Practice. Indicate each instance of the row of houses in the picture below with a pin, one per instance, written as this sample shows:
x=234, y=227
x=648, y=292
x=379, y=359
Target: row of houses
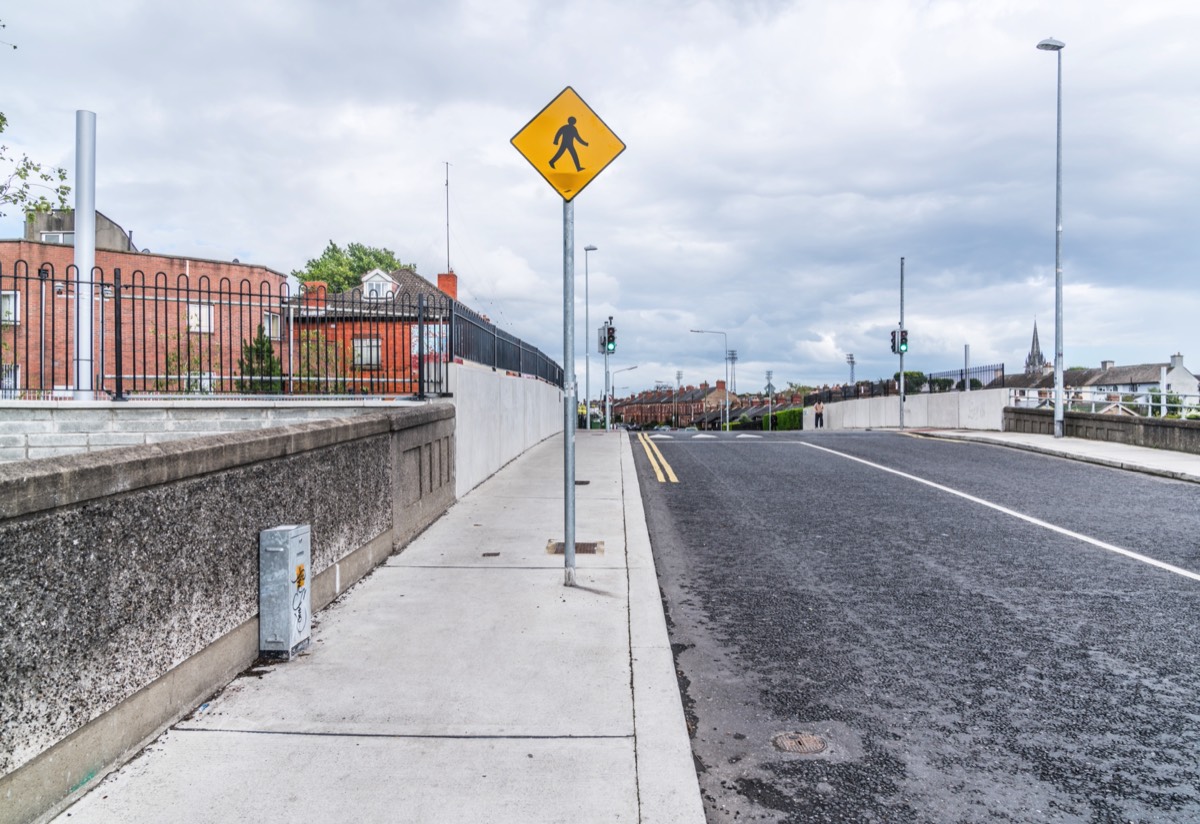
x=167, y=323
x=700, y=406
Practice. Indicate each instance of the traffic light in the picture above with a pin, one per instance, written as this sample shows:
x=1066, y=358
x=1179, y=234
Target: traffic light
x=894, y=349
x=903, y=341
x=610, y=340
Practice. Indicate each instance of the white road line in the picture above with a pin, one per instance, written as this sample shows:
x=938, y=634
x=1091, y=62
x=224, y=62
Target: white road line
x=1027, y=518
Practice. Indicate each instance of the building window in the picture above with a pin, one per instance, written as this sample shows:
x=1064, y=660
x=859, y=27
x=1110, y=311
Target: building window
x=10, y=308
x=64, y=238
x=10, y=381
x=367, y=353
x=272, y=325
x=199, y=317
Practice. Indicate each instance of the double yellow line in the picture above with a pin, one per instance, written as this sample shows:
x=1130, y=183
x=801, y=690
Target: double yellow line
x=657, y=461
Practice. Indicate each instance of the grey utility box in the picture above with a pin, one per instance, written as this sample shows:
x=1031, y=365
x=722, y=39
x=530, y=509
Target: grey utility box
x=284, y=590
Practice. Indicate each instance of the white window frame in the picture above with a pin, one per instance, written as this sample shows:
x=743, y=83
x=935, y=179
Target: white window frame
x=368, y=356
x=200, y=317
x=10, y=308
x=273, y=325
x=60, y=238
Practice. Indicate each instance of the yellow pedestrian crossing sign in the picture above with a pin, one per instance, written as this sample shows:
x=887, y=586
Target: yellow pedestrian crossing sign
x=568, y=144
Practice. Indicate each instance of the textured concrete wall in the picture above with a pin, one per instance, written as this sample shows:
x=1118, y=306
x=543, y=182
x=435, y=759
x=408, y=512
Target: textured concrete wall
x=121, y=569
x=48, y=429
x=982, y=409
x=1176, y=435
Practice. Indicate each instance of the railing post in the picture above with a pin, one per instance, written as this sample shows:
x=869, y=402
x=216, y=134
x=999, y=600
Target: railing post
x=119, y=341
x=421, y=346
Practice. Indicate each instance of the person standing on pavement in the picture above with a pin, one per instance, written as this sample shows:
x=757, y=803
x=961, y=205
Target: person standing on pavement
x=819, y=415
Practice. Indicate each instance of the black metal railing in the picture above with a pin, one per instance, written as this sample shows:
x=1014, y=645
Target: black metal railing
x=958, y=380
x=474, y=338
x=177, y=335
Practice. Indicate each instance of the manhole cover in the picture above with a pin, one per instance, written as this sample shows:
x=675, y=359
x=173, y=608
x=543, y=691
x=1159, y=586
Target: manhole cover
x=804, y=743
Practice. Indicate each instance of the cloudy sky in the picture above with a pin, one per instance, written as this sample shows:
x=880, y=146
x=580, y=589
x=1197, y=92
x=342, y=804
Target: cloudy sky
x=782, y=157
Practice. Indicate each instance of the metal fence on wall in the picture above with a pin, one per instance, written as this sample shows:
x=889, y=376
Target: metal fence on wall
x=172, y=335
x=975, y=377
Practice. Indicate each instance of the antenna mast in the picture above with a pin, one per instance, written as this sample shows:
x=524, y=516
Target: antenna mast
x=447, y=217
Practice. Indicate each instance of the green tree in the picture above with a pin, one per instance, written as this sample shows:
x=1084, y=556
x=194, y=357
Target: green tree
x=913, y=381
x=25, y=177
x=261, y=372
x=342, y=269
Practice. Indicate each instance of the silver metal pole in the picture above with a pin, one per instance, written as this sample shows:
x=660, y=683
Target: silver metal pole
x=901, y=335
x=569, y=403
x=1059, y=397
x=1162, y=392
x=966, y=367
x=587, y=348
x=607, y=395
x=725, y=338
x=85, y=252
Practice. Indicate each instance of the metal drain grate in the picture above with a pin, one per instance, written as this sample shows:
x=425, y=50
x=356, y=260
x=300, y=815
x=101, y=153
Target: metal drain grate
x=581, y=548
x=803, y=743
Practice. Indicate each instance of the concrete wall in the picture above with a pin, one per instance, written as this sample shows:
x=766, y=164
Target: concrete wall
x=129, y=577
x=981, y=409
x=48, y=429
x=1176, y=435
x=499, y=417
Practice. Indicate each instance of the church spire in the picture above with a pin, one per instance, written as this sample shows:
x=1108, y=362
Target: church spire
x=1035, y=362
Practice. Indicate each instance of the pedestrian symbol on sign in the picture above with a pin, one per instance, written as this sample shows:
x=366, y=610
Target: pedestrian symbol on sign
x=568, y=134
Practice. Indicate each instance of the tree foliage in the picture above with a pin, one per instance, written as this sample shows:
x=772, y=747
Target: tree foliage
x=342, y=269
x=261, y=372
x=786, y=420
x=30, y=186
x=913, y=381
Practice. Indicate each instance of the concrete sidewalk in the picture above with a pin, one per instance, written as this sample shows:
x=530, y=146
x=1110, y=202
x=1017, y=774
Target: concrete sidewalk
x=459, y=682
x=1181, y=466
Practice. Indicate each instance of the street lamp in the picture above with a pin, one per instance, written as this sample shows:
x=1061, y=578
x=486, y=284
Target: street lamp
x=725, y=349
x=608, y=396
x=587, y=347
x=1050, y=44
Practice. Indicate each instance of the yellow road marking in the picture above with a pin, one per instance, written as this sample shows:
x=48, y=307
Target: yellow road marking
x=656, y=459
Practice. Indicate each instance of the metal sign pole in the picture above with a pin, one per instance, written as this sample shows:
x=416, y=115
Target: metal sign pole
x=901, y=336
x=569, y=391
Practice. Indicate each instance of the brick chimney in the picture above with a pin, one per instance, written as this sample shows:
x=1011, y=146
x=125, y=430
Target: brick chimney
x=1107, y=364
x=448, y=283
x=315, y=292
x=1177, y=361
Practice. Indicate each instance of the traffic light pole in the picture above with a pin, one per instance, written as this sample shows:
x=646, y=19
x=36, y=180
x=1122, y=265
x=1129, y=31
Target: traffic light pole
x=607, y=396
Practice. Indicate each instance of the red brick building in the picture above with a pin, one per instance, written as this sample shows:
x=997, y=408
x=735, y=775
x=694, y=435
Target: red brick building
x=182, y=320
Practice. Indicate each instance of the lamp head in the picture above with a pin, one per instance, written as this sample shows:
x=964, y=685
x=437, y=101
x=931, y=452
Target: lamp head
x=1050, y=44
x=589, y=248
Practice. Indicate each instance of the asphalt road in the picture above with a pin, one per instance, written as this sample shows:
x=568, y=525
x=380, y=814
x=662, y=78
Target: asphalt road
x=985, y=637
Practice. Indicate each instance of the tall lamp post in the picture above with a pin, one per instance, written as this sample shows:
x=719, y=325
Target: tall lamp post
x=608, y=391
x=725, y=349
x=1050, y=44
x=587, y=331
